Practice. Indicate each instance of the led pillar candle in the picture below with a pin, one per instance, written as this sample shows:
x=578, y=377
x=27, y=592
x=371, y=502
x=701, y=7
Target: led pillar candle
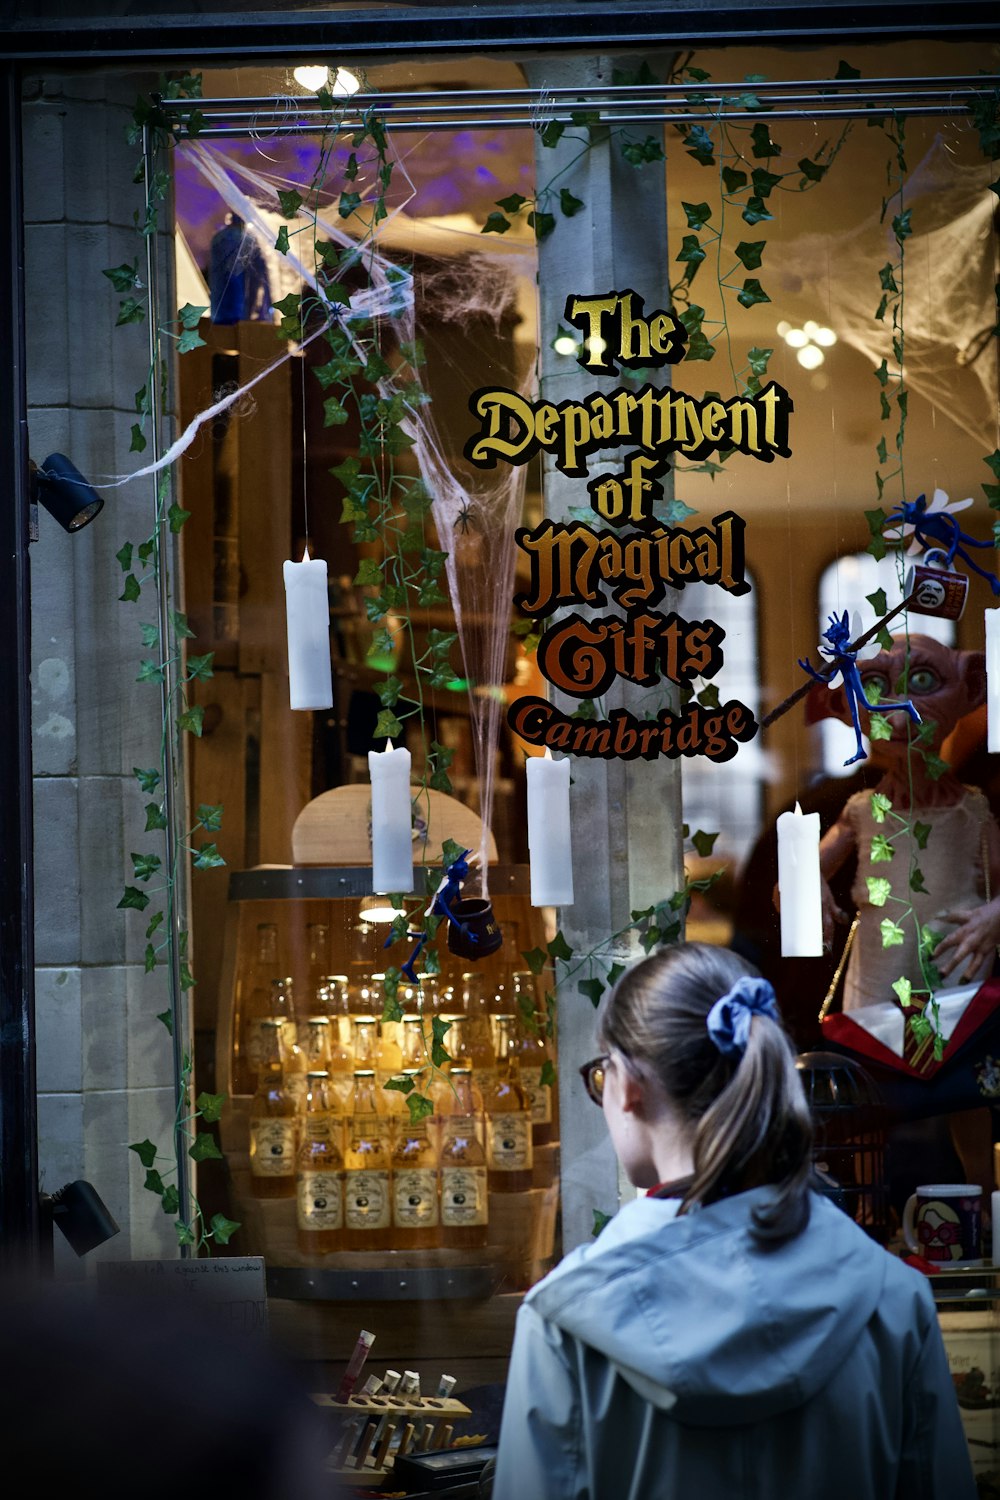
x=307, y=611
x=392, y=837
x=549, y=845
x=799, y=885
x=993, y=680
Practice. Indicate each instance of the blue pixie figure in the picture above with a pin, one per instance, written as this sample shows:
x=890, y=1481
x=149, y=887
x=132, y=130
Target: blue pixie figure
x=448, y=891
x=933, y=527
x=843, y=660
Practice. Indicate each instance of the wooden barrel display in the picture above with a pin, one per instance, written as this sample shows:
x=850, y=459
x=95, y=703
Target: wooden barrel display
x=308, y=942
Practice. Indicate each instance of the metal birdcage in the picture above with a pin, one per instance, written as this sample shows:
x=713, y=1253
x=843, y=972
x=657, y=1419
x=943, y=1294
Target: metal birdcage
x=849, y=1119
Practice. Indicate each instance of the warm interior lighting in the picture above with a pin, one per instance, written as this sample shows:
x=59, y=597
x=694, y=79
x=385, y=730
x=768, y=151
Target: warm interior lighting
x=810, y=357
x=378, y=909
x=340, y=81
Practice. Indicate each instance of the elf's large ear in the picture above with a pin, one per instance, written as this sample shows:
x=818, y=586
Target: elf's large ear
x=972, y=669
x=827, y=703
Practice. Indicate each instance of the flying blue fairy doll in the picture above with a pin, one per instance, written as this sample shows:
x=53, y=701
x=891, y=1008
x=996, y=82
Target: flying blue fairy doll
x=933, y=527
x=843, y=664
x=448, y=891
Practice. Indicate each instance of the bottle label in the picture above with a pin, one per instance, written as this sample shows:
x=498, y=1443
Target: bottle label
x=320, y=1200
x=509, y=1141
x=464, y=1198
x=415, y=1198
x=485, y=1080
x=366, y=1200
x=273, y=1152
x=539, y=1094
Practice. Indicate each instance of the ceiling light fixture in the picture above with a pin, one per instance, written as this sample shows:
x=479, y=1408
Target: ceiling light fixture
x=341, y=82
x=378, y=909
x=809, y=341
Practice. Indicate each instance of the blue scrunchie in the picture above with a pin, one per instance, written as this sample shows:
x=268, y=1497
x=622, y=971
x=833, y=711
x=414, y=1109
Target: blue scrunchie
x=729, y=1019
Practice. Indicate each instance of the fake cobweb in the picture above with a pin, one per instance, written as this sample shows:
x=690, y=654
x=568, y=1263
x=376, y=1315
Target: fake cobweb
x=474, y=513
x=950, y=307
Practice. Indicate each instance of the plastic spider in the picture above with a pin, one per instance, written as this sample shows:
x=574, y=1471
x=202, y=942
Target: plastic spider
x=933, y=527
x=844, y=664
x=463, y=520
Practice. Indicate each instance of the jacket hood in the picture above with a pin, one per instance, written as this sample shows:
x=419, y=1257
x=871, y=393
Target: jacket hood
x=706, y=1323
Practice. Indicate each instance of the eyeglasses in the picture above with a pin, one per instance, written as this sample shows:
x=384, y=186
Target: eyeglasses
x=592, y=1074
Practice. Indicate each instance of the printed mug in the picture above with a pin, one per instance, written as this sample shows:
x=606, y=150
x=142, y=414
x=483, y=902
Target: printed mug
x=935, y=590
x=942, y=1221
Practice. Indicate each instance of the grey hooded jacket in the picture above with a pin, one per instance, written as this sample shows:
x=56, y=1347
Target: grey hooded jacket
x=675, y=1359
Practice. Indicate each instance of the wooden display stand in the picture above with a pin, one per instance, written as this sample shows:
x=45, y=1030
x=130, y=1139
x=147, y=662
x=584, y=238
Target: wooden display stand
x=362, y=1454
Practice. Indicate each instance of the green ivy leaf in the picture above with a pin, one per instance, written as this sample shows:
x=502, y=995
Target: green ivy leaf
x=763, y=146
x=439, y=1030
x=844, y=70
x=149, y=959
x=901, y=227
x=542, y=223
x=593, y=989
x=690, y=254
x=697, y=214
x=188, y=340
x=419, y=1107
x=879, y=889
x=639, y=153
x=755, y=211
x=764, y=182
x=124, y=556
x=399, y=1085
x=145, y=1151
x=892, y=934
x=882, y=850
x=700, y=145
x=814, y=171
x=917, y=880
x=290, y=201
x=369, y=574
x=387, y=726
x=877, y=600
x=145, y=865
x=709, y=698
x=335, y=413
x=750, y=253
x=131, y=591
x=559, y=948
x=209, y=815
x=205, y=1148
x=752, y=293
x=166, y=1017
x=496, y=223
x=148, y=780
x=200, y=667
x=154, y=818
x=177, y=517
x=208, y=857
x=154, y=1182
x=551, y=133
x=138, y=442
x=569, y=204
x=150, y=671
x=904, y=990
x=191, y=720
x=879, y=727
x=222, y=1228
x=185, y=1234
x=536, y=959
x=733, y=179
x=124, y=278
x=131, y=310
x=601, y=1219
x=512, y=204
x=704, y=843
x=880, y=805
x=134, y=899
x=349, y=202
x=921, y=833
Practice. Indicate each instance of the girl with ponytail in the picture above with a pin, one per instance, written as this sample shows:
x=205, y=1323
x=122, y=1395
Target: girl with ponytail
x=730, y=1333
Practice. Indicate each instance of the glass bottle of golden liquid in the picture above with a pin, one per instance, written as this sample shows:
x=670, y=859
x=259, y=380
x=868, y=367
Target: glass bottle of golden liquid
x=367, y=1171
x=295, y=1062
x=315, y=1042
x=416, y=1214
x=319, y=1177
x=341, y=1063
x=509, y=1147
x=464, y=1191
x=478, y=1051
x=317, y=963
x=388, y=1052
x=428, y=995
x=273, y=1120
x=255, y=1008
x=365, y=1030
x=532, y=1052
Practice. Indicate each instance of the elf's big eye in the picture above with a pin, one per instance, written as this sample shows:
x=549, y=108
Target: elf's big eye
x=875, y=684
x=924, y=680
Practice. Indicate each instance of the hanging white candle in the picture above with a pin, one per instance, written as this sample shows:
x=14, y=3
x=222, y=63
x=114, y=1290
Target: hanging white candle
x=392, y=837
x=549, y=840
x=307, y=613
x=993, y=680
x=799, y=884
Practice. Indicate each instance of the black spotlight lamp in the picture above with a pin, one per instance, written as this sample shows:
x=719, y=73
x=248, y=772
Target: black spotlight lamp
x=82, y=1215
x=61, y=488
